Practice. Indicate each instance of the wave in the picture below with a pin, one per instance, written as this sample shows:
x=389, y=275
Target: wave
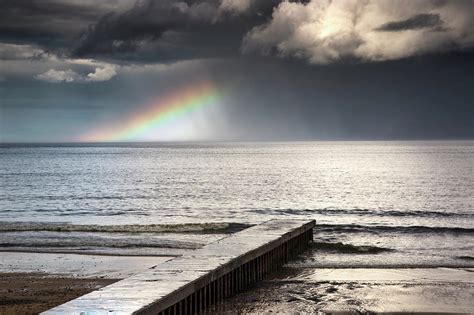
x=355, y=228
x=470, y=258
x=349, y=248
x=217, y=228
x=366, y=212
x=204, y=228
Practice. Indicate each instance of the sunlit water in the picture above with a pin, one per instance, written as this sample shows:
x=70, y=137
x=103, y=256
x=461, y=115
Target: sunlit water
x=410, y=202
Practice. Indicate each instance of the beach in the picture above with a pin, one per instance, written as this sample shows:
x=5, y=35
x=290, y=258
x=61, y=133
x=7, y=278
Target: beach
x=32, y=283
x=31, y=293
x=290, y=290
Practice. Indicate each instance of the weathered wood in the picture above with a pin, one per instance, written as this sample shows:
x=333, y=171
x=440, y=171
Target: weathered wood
x=182, y=285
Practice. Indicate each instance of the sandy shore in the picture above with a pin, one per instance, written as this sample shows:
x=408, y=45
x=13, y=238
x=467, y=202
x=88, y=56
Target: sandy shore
x=31, y=283
x=289, y=291
x=31, y=293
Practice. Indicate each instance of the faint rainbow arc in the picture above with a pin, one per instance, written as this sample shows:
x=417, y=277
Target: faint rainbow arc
x=166, y=110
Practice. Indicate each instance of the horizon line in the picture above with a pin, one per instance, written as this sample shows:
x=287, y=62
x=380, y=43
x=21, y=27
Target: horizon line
x=239, y=140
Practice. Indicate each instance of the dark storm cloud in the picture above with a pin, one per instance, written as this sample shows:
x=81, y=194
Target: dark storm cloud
x=48, y=23
x=169, y=30
x=418, y=21
x=116, y=33
x=148, y=31
x=32, y=9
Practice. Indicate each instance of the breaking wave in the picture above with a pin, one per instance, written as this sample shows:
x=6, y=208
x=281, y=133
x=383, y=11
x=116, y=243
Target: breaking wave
x=366, y=212
x=205, y=228
x=355, y=228
x=349, y=248
x=469, y=258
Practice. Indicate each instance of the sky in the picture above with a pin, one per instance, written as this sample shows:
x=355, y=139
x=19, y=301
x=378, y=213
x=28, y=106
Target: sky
x=238, y=70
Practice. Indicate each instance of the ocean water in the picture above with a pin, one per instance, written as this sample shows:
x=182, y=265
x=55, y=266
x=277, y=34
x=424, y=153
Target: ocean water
x=376, y=203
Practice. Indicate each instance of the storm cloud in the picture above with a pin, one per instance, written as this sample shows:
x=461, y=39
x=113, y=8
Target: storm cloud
x=323, y=32
x=132, y=31
x=166, y=31
x=320, y=32
x=126, y=32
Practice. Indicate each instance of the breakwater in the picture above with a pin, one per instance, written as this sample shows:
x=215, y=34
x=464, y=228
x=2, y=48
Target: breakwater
x=194, y=282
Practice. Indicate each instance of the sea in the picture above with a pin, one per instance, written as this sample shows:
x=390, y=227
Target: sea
x=376, y=203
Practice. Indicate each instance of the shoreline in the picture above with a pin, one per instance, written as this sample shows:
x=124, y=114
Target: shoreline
x=74, y=252
x=77, y=265
x=326, y=290
x=34, y=282
x=10, y=256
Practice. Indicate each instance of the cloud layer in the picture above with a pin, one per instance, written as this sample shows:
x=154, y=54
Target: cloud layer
x=53, y=41
x=57, y=76
x=326, y=31
x=68, y=76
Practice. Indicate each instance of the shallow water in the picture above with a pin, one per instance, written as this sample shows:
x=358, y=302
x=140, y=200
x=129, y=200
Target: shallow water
x=412, y=198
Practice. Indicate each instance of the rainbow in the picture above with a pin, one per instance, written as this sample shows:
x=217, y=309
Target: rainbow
x=158, y=113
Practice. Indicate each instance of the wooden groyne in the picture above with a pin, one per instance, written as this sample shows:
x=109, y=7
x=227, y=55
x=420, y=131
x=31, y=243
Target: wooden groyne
x=191, y=283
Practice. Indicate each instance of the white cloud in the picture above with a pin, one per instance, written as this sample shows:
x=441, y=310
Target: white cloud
x=57, y=76
x=102, y=74
x=325, y=31
x=32, y=61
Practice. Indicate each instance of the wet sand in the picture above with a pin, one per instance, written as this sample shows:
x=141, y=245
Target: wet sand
x=34, y=282
x=31, y=293
x=328, y=291
x=77, y=266
x=290, y=291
